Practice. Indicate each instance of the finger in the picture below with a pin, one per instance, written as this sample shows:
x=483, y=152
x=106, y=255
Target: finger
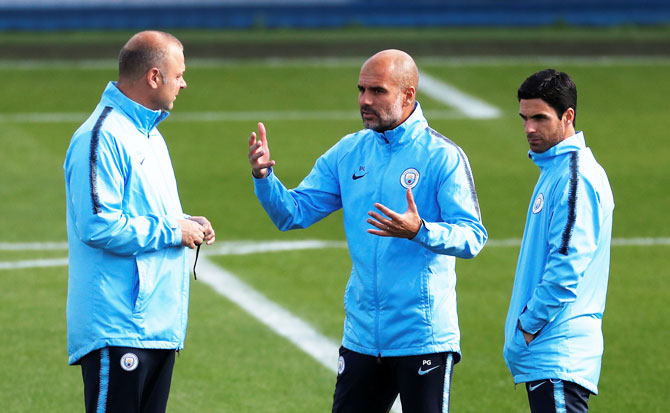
x=388, y=212
x=377, y=224
x=264, y=165
x=379, y=233
x=254, y=150
x=256, y=155
x=262, y=133
x=382, y=219
x=211, y=240
x=252, y=138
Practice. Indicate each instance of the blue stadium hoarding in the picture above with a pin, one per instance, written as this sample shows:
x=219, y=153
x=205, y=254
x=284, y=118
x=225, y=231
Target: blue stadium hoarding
x=240, y=14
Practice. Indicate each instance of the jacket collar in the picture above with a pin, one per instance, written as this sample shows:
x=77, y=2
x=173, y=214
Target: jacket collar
x=406, y=131
x=144, y=119
x=571, y=144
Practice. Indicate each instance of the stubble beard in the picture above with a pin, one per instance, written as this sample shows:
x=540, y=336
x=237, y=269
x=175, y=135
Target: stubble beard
x=387, y=121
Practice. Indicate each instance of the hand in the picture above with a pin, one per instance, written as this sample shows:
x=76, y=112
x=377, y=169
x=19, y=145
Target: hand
x=528, y=337
x=405, y=225
x=192, y=233
x=209, y=237
x=259, y=153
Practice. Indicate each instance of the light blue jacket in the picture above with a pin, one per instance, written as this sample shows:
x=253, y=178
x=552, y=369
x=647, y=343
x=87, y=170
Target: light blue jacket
x=400, y=299
x=561, y=277
x=129, y=275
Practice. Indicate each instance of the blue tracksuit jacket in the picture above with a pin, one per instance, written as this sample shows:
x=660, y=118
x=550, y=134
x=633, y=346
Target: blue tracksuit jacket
x=561, y=277
x=400, y=298
x=128, y=272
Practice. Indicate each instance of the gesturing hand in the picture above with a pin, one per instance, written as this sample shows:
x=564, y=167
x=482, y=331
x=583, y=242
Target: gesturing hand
x=405, y=225
x=259, y=153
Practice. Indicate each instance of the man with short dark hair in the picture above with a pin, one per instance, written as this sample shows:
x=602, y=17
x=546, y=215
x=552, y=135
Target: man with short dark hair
x=553, y=332
x=128, y=284
x=401, y=332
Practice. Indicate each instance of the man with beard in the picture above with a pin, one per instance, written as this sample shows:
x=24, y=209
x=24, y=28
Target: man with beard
x=553, y=333
x=401, y=332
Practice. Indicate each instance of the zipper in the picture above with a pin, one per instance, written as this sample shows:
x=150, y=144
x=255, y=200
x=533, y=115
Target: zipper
x=387, y=157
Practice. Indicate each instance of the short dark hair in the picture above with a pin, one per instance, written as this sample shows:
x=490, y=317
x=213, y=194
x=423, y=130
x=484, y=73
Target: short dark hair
x=555, y=88
x=136, y=62
x=137, y=57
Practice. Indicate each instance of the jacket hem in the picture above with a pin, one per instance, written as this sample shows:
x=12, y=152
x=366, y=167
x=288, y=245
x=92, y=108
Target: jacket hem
x=410, y=351
x=75, y=356
x=545, y=375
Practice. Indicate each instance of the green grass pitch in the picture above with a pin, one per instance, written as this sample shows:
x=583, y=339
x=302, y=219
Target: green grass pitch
x=231, y=362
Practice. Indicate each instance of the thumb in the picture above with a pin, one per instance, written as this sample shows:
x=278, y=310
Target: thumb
x=411, y=206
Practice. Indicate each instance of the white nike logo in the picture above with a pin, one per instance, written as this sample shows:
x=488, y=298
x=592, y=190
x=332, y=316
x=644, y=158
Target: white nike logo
x=422, y=372
x=531, y=387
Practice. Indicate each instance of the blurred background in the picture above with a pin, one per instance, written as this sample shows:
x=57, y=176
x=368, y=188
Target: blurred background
x=294, y=65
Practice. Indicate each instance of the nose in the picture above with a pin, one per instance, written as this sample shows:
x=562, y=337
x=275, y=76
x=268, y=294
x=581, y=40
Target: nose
x=183, y=83
x=364, y=99
x=529, y=127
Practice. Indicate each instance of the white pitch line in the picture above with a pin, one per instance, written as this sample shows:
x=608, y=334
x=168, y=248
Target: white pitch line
x=470, y=106
x=352, y=62
x=49, y=262
x=222, y=116
x=279, y=320
x=249, y=247
x=276, y=318
x=37, y=246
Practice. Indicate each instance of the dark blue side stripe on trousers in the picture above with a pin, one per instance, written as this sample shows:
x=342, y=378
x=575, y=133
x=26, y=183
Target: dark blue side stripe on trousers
x=93, y=159
x=468, y=172
x=572, y=204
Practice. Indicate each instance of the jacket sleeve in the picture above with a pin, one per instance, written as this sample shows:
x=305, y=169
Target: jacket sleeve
x=573, y=235
x=317, y=196
x=460, y=232
x=96, y=181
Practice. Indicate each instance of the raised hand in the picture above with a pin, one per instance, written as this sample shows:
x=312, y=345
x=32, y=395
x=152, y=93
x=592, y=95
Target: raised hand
x=259, y=153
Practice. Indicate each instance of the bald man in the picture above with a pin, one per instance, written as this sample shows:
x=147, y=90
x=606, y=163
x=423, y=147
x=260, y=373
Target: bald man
x=128, y=237
x=410, y=208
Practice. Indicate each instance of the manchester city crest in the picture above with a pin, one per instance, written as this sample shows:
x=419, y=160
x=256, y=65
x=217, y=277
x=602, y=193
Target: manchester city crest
x=538, y=204
x=409, y=178
x=129, y=361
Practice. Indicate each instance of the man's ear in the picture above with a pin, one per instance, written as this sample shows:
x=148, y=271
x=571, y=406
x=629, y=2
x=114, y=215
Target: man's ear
x=153, y=77
x=410, y=96
x=569, y=116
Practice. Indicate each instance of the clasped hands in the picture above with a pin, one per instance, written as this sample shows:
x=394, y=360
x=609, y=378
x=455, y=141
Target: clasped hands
x=195, y=231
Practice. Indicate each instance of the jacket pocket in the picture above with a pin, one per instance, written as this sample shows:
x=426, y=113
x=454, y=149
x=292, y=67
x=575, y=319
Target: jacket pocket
x=138, y=285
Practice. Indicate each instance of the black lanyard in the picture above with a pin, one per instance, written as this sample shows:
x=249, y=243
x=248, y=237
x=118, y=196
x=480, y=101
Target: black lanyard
x=197, y=252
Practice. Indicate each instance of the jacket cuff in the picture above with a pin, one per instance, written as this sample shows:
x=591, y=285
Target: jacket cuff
x=525, y=324
x=267, y=175
x=422, y=236
x=173, y=223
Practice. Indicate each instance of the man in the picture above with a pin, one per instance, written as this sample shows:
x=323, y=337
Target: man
x=128, y=287
x=401, y=331
x=553, y=335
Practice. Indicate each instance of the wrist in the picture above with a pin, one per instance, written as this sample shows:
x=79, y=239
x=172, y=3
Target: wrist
x=258, y=174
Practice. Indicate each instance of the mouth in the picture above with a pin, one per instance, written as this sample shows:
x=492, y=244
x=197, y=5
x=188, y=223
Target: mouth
x=368, y=114
x=533, y=139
